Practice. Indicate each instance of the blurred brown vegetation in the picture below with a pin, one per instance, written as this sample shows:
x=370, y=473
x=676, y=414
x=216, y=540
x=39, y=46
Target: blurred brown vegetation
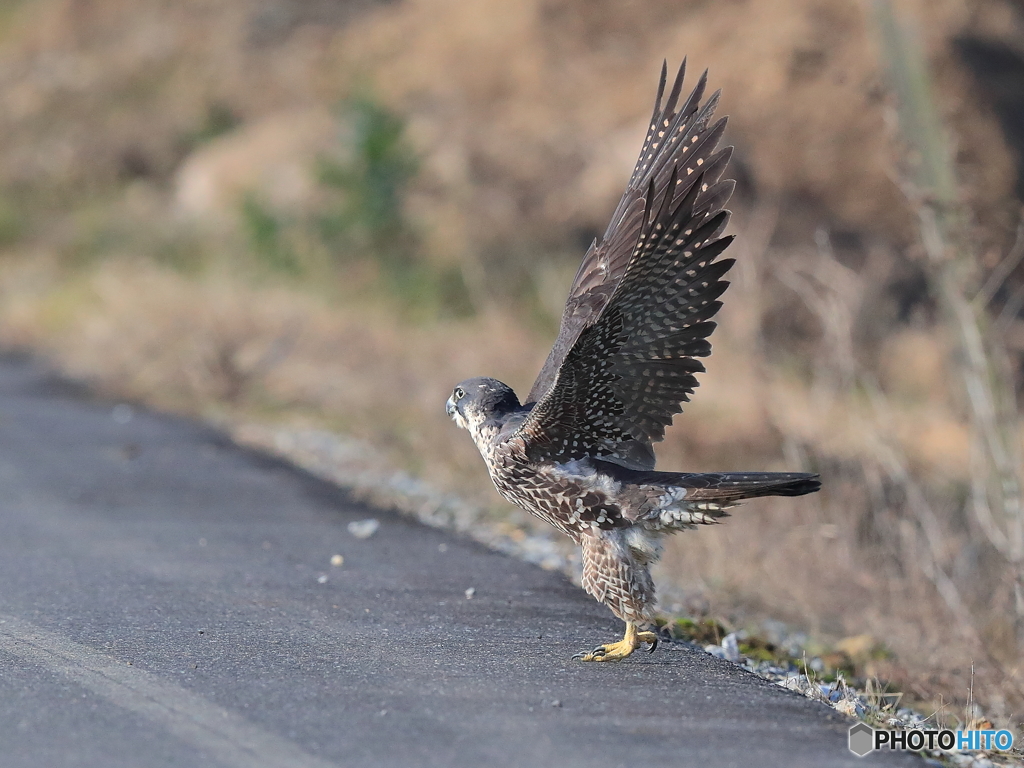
x=325, y=213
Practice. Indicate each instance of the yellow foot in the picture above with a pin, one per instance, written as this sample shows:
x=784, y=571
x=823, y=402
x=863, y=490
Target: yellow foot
x=620, y=650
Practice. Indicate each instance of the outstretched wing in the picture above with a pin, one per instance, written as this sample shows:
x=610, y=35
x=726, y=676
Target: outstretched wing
x=633, y=341
x=673, y=135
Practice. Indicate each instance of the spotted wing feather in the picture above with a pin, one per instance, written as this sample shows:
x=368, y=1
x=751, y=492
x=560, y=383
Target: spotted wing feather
x=676, y=133
x=626, y=374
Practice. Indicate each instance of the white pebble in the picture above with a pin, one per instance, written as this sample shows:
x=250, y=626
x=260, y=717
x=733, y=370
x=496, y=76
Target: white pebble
x=731, y=646
x=715, y=650
x=364, y=529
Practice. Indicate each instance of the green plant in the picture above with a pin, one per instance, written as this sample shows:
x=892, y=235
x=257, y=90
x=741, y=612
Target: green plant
x=370, y=182
x=366, y=182
x=266, y=237
x=219, y=119
x=12, y=224
x=701, y=631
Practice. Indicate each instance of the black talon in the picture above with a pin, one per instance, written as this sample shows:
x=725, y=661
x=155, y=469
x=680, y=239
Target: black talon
x=654, y=645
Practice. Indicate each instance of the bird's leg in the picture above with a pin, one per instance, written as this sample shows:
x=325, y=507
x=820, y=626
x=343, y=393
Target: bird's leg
x=620, y=650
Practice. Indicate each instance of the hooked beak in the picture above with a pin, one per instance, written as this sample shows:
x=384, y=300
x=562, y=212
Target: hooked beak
x=449, y=407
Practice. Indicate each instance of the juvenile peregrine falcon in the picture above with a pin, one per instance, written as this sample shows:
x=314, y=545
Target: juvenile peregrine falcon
x=579, y=452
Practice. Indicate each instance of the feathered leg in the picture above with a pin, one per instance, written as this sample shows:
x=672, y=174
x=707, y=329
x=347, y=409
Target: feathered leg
x=617, y=575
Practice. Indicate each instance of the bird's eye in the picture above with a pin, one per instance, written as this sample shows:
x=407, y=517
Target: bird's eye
x=459, y=393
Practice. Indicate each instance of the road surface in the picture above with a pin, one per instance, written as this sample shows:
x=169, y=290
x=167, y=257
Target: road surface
x=168, y=599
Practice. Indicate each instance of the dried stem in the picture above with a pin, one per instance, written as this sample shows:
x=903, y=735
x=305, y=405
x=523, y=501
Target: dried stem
x=930, y=187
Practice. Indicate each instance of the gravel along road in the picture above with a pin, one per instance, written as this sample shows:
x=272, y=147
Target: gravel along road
x=169, y=599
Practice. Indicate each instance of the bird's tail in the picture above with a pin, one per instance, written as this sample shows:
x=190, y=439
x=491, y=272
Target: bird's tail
x=685, y=500
x=730, y=487
x=716, y=487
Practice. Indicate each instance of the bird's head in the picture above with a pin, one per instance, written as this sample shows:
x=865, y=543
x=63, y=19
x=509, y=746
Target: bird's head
x=477, y=401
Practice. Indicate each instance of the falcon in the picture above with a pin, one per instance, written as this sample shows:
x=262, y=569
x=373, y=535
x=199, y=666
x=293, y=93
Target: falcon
x=579, y=452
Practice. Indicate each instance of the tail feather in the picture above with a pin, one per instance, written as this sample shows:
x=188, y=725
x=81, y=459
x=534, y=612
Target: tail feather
x=719, y=487
x=733, y=486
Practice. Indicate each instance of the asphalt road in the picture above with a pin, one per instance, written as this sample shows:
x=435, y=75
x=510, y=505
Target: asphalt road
x=168, y=599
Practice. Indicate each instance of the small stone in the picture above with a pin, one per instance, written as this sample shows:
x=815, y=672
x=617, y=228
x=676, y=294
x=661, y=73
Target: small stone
x=321, y=579
x=470, y=592
x=847, y=707
x=715, y=650
x=731, y=647
x=556, y=703
x=337, y=561
x=364, y=529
